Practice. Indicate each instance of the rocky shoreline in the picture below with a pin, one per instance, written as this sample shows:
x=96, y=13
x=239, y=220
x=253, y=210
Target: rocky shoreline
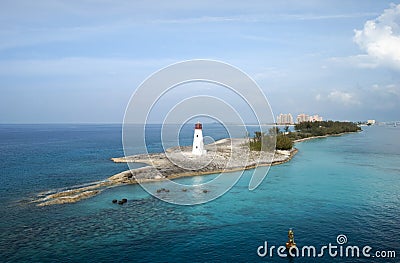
x=226, y=155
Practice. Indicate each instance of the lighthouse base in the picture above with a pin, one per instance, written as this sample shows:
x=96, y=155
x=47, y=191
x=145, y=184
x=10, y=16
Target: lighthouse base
x=199, y=153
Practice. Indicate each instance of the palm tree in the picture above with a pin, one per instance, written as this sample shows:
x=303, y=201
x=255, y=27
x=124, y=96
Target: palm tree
x=286, y=129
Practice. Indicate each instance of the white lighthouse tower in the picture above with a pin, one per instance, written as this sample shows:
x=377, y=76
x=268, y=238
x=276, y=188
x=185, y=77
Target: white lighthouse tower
x=198, y=144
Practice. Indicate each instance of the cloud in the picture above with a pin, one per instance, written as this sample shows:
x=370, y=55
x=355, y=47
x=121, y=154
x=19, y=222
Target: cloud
x=342, y=97
x=381, y=98
x=388, y=92
x=380, y=39
x=360, y=61
x=376, y=97
x=338, y=97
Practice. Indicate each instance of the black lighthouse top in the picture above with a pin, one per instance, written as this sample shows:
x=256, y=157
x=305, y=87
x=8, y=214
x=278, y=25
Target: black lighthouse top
x=198, y=126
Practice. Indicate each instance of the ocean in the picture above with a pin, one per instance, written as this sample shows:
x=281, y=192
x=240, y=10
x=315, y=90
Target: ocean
x=347, y=185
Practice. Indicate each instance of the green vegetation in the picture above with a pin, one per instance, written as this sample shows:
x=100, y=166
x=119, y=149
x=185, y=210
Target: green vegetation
x=262, y=141
x=266, y=141
x=284, y=140
x=321, y=128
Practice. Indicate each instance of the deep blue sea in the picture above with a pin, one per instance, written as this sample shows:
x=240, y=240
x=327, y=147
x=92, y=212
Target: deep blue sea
x=346, y=185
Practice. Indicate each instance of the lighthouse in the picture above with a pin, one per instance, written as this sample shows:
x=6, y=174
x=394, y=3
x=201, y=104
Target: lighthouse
x=198, y=144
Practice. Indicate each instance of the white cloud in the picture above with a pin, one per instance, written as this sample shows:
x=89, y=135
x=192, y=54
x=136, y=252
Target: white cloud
x=360, y=61
x=382, y=97
x=390, y=91
x=377, y=97
x=380, y=39
x=342, y=97
x=338, y=97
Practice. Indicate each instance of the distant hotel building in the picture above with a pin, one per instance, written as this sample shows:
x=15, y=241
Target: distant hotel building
x=315, y=117
x=302, y=118
x=284, y=119
x=305, y=117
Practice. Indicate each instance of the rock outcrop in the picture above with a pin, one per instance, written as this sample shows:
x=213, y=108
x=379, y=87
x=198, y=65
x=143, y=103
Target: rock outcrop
x=225, y=155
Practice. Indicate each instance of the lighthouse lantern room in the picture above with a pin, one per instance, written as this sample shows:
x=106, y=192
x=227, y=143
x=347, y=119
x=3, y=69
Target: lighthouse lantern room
x=198, y=144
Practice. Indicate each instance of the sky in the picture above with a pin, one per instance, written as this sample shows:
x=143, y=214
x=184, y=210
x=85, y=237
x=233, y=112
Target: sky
x=81, y=61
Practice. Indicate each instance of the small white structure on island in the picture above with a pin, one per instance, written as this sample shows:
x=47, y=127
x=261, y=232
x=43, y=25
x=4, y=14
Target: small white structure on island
x=198, y=144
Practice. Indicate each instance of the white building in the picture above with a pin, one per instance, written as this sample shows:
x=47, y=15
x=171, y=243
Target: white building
x=284, y=119
x=198, y=144
x=315, y=117
x=305, y=117
x=302, y=118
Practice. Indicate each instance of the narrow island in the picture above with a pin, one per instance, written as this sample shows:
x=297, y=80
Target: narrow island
x=226, y=155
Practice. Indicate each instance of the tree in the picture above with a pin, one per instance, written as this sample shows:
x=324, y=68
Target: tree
x=286, y=129
x=274, y=131
x=258, y=135
x=263, y=142
x=326, y=127
x=283, y=142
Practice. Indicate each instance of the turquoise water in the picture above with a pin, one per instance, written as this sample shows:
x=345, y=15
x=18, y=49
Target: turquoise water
x=337, y=185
